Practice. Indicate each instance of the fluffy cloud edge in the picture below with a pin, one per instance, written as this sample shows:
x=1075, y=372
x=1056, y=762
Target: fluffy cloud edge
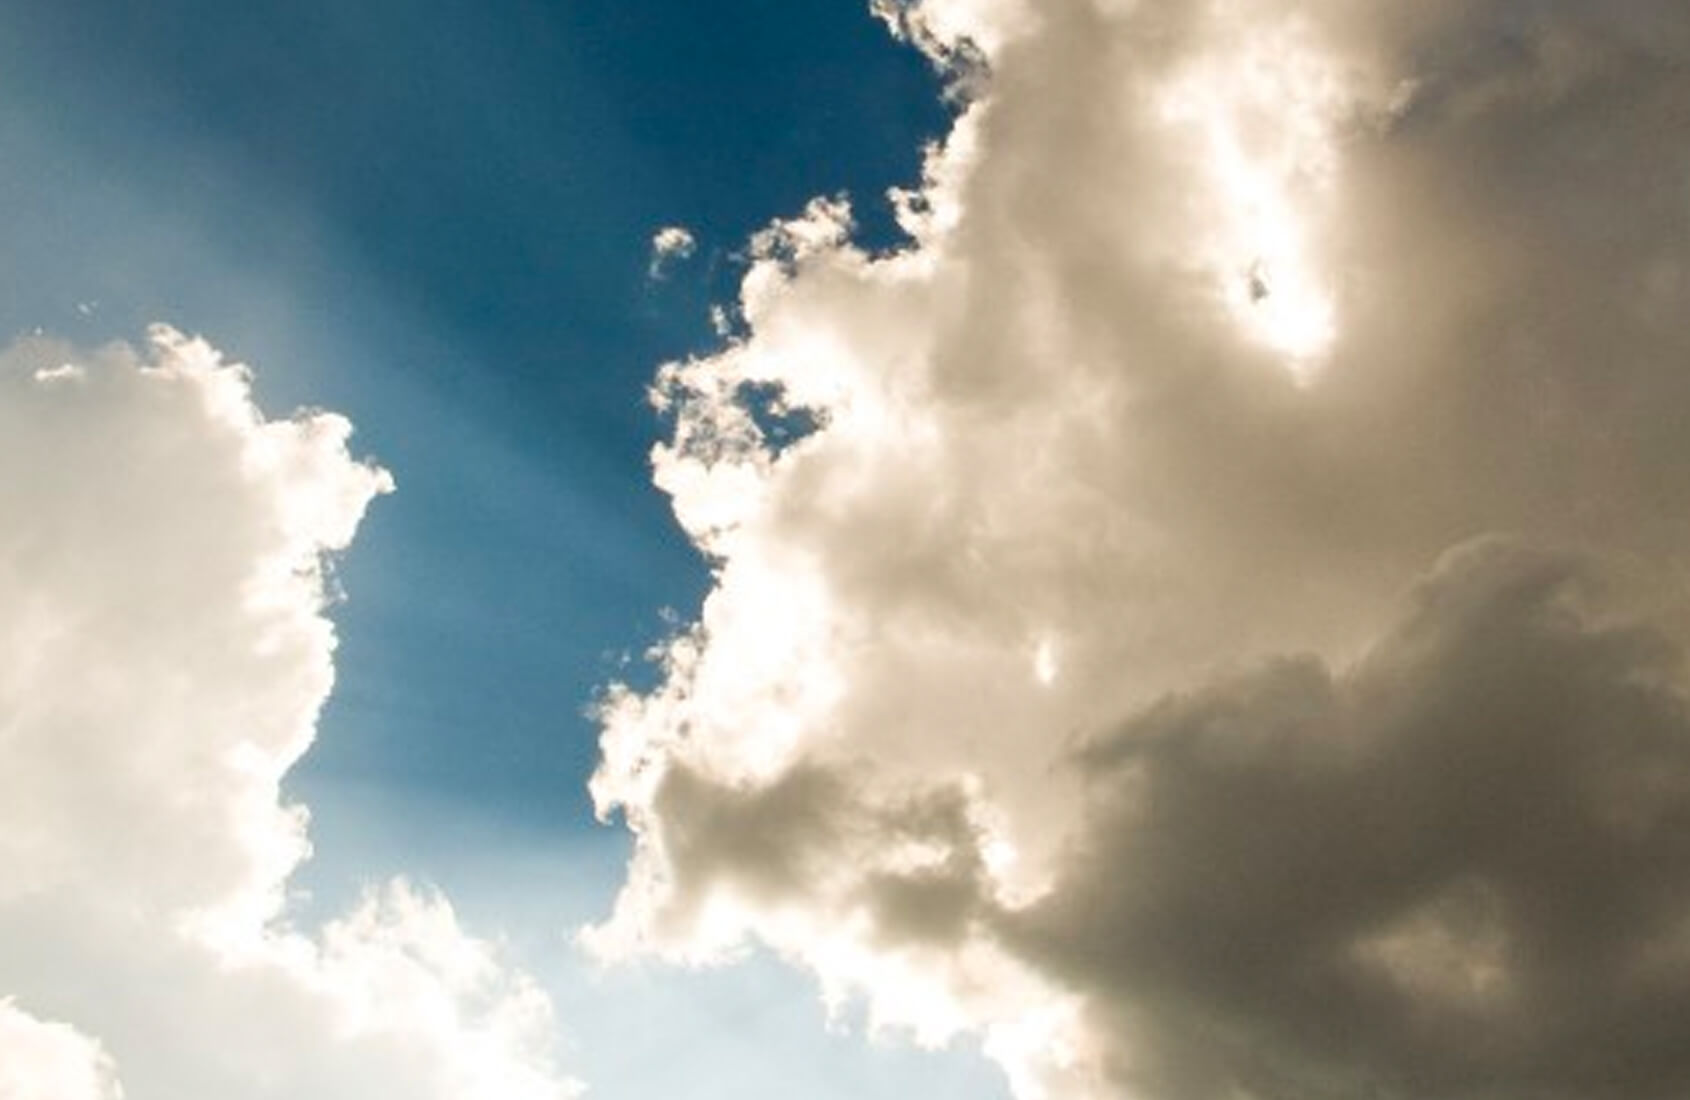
x=168, y=656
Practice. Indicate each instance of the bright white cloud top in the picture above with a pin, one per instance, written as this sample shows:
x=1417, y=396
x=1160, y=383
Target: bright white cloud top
x=1224, y=634
x=163, y=658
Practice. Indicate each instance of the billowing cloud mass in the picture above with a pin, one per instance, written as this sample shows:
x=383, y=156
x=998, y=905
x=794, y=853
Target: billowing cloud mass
x=163, y=657
x=1223, y=634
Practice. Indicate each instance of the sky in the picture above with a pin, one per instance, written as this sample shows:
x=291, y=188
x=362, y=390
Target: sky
x=1012, y=549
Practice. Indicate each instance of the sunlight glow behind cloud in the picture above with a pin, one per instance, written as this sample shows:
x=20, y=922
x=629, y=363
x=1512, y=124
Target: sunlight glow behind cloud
x=1263, y=109
x=1203, y=618
x=1224, y=631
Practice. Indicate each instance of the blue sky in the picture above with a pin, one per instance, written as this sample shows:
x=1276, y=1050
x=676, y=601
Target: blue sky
x=435, y=217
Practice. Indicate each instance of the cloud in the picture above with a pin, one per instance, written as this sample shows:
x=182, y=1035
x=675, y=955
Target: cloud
x=48, y=1061
x=668, y=245
x=1059, y=686
x=165, y=555
x=1460, y=866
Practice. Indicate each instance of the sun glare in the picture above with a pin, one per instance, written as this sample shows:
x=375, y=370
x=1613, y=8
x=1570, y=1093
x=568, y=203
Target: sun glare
x=1044, y=662
x=1259, y=121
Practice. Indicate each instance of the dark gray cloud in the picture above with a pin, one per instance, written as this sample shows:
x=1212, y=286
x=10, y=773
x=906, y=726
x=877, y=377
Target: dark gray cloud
x=1459, y=868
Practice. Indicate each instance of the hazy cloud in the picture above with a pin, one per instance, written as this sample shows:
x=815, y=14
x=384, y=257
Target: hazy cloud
x=162, y=661
x=1058, y=686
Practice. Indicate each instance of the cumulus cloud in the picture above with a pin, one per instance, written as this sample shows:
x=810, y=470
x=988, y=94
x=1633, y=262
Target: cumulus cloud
x=1222, y=634
x=164, y=551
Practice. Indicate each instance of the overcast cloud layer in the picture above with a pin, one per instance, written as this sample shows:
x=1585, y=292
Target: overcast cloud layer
x=163, y=657
x=1224, y=634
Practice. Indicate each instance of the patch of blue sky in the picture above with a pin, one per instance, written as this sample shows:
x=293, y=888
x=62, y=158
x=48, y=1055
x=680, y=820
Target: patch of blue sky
x=434, y=216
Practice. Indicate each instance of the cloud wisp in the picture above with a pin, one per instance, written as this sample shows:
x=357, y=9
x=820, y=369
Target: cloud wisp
x=164, y=557
x=669, y=245
x=1223, y=634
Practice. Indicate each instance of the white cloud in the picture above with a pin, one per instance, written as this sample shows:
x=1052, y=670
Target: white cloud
x=162, y=662
x=668, y=245
x=49, y=1061
x=1059, y=686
